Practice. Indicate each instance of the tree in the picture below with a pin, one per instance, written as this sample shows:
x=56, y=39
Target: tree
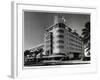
x=38, y=51
x=86, y=36
x=26, y=52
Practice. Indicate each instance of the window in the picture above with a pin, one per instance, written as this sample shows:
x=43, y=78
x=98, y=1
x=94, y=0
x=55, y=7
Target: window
x=61, y=25
x=60, y=36
x=60, y=41
x=60, y=46
x=60, y=31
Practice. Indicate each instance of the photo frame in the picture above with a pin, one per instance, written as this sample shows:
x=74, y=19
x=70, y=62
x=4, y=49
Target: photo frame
x=17, y=61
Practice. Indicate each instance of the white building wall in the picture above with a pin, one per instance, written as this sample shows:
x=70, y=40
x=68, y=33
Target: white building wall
x=55, y=39
x=68, y=42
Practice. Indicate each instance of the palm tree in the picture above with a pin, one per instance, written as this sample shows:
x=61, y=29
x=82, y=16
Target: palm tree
x=86, y=36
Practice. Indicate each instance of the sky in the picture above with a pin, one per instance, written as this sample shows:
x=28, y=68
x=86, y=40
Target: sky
x=36, y=22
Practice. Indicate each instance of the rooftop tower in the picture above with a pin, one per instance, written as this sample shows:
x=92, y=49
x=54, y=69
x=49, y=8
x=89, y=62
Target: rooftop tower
x=59, y=18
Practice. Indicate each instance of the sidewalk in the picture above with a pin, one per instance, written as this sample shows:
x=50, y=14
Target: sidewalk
x=69, y=62
x=75, y=61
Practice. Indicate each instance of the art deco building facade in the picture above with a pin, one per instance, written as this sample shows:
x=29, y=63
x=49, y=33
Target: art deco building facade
x=59, y=39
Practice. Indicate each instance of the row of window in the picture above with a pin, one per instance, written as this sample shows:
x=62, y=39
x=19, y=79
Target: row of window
x=70, y=48
x=60, y=31
x=72, y=34
x=62, y=47
x=77, y=49
x=75, y=45
x=60, y=36
x=62, y=42
x=72, y=39
x=58, y=41
x=79, y=42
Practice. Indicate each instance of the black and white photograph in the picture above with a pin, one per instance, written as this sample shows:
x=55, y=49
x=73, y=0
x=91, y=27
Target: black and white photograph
x=51, y=39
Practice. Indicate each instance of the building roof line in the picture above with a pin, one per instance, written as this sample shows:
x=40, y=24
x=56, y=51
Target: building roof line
x=54, y=25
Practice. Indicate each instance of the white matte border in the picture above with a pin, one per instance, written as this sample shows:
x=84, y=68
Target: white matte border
x=17, y=68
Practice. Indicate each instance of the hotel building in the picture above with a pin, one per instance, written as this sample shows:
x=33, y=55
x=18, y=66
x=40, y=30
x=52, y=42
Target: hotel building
x=60, y=39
